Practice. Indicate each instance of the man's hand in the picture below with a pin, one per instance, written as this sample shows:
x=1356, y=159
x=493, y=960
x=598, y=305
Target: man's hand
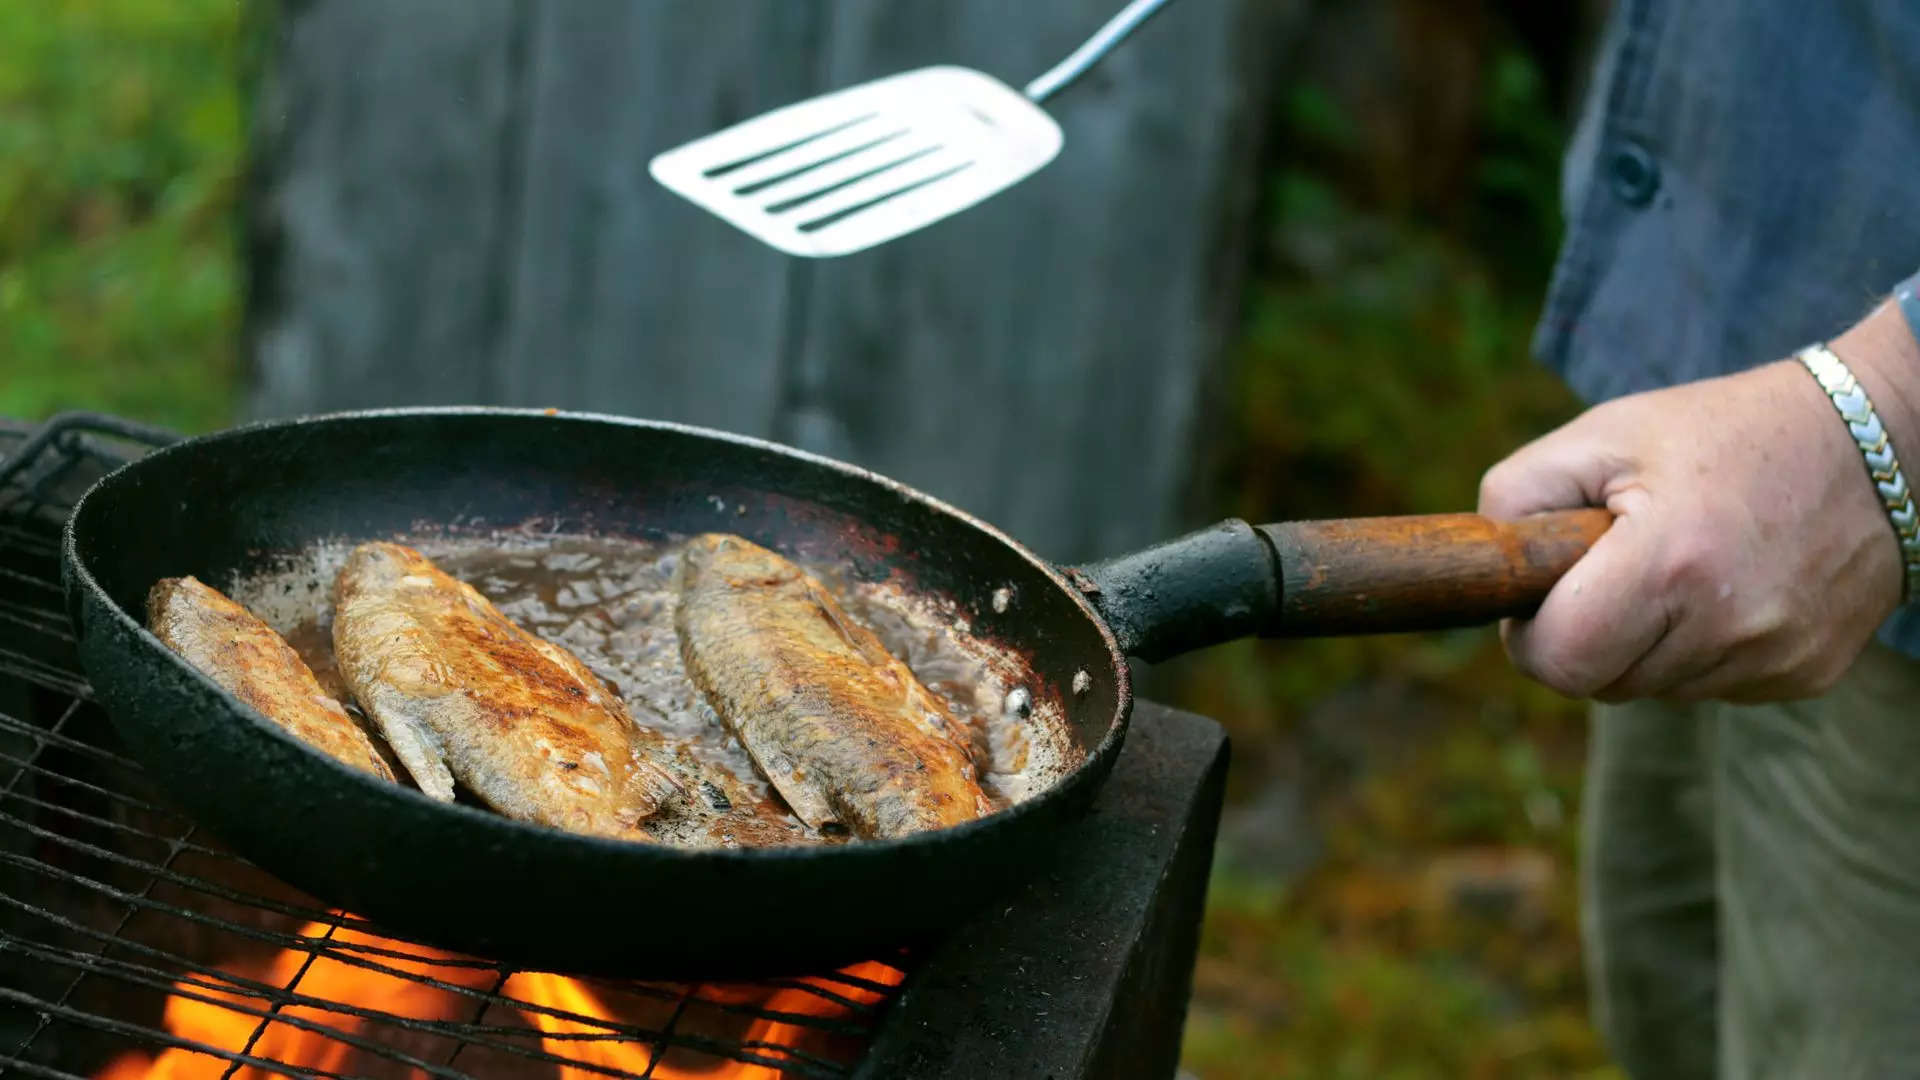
x=1749, y=559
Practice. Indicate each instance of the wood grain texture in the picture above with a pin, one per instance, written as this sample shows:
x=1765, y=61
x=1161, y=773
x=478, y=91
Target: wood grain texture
x=1392, y=574
x=452, y=206
x=385, y=140
x=624, y=298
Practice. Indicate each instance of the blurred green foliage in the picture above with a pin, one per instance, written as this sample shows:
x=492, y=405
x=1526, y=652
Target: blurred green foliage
x=120, y=157
x=1383, y=367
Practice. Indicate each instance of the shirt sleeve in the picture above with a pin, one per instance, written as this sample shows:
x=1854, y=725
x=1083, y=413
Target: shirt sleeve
x=1907, y=294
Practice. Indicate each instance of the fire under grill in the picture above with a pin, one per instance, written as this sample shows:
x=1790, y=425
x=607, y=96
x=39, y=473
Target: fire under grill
x=133, y=944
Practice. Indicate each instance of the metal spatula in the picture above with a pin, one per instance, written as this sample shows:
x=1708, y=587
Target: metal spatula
x=860, y=166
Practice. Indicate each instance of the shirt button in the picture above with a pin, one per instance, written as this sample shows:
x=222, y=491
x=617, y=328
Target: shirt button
x=1635, y=175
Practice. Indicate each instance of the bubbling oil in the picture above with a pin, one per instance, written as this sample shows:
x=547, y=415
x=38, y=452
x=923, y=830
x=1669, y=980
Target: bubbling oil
x=611, y=602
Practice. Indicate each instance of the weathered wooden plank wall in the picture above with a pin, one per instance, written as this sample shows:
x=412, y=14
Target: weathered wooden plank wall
x=379, y=226
x=452, y=205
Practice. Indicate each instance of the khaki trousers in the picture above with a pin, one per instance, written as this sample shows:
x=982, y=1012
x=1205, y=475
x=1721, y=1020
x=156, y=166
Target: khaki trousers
x=1751, y=883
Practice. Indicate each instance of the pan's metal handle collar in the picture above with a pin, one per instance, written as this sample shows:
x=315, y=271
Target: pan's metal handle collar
x=1217, y=584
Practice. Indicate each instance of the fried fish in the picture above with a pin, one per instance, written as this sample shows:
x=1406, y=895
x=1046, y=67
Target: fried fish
x=231, y=646
x=840, y=727
x=459, y=691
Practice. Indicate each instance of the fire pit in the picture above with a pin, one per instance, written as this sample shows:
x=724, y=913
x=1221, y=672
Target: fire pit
x=133, y=945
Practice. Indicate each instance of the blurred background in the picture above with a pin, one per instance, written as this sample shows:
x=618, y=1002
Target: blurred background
x=1286, y=266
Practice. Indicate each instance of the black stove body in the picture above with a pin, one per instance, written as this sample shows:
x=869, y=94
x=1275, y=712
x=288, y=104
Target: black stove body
x=115, y=911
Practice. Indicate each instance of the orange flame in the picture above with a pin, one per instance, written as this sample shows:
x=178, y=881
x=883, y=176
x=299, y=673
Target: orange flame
x=766, y=1037
x=202, y=1011
x=206, y=1009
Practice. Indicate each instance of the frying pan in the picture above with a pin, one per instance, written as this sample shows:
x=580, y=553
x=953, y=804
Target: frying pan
x=470, y=880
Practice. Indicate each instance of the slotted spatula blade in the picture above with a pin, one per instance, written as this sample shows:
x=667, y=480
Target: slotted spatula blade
x=851, y=169
x=860, y=166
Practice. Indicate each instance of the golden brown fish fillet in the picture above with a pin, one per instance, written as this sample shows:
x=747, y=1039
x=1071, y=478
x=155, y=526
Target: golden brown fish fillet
x=459, y=691
x=843, y=730
x=228, y=644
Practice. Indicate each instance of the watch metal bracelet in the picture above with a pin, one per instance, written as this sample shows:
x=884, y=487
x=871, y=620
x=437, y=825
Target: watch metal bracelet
x=1850, y=398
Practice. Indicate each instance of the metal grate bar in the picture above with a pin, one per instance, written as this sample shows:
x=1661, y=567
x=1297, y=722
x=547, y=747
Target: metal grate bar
x=29, y=541
x=212, y=977
x=213, y=981
x=65, y=434
x=185, y=880
x=46, y=1019
x=307, y=944
x=33, y=618
x=160, y=871
x=57, y=737
x=859, y=982
x=673, y=1026
x=157, y=979
x=27, y=767
x=31, y=1069
x=117, y=826
x=13, y=781
x=286, y=941
x=480, y=1012
x=342, y=952
x=40, y=618
x=67, y=742
x=279, y=1002
x=39, y=673
x=202, y=976
x=346, y=954
x=147, y=1034
x=821, y=992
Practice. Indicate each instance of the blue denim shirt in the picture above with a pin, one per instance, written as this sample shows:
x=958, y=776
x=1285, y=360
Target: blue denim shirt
x=1740, y=183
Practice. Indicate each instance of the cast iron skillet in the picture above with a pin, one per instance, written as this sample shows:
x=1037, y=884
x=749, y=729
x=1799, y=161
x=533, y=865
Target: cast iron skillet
x=471, y=880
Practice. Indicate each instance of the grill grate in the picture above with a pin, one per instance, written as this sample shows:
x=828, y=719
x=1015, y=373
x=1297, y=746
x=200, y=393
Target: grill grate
x=125, y=935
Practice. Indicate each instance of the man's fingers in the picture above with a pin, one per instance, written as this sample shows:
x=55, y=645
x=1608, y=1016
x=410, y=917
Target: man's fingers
x=1558, y=471
x=1597, y=622
x=1590, y=630
x=1676, y=668
x=1774, y=672
x=1711, y=683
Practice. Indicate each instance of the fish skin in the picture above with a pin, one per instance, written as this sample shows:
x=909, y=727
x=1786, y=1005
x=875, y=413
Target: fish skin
x=840, y=727
x=245, y=656
x=461, y=692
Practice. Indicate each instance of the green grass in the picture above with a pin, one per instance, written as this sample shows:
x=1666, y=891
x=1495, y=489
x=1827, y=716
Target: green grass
x=1306, y=1003
x=120, y=152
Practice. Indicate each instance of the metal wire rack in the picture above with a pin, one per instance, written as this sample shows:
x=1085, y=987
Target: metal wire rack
x=133, y=945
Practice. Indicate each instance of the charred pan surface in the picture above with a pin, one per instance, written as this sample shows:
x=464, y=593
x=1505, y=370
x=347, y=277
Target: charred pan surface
x=461, y=692
x=244, y=655
x=841, y=728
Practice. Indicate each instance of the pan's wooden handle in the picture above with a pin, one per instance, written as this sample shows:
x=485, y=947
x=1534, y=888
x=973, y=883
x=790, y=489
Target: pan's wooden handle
x=1389, y=574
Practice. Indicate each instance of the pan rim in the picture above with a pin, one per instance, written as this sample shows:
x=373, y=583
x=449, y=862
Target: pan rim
x=76, y=566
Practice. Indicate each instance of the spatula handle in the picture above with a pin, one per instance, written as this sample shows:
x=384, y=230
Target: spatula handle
x=1089, y=54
